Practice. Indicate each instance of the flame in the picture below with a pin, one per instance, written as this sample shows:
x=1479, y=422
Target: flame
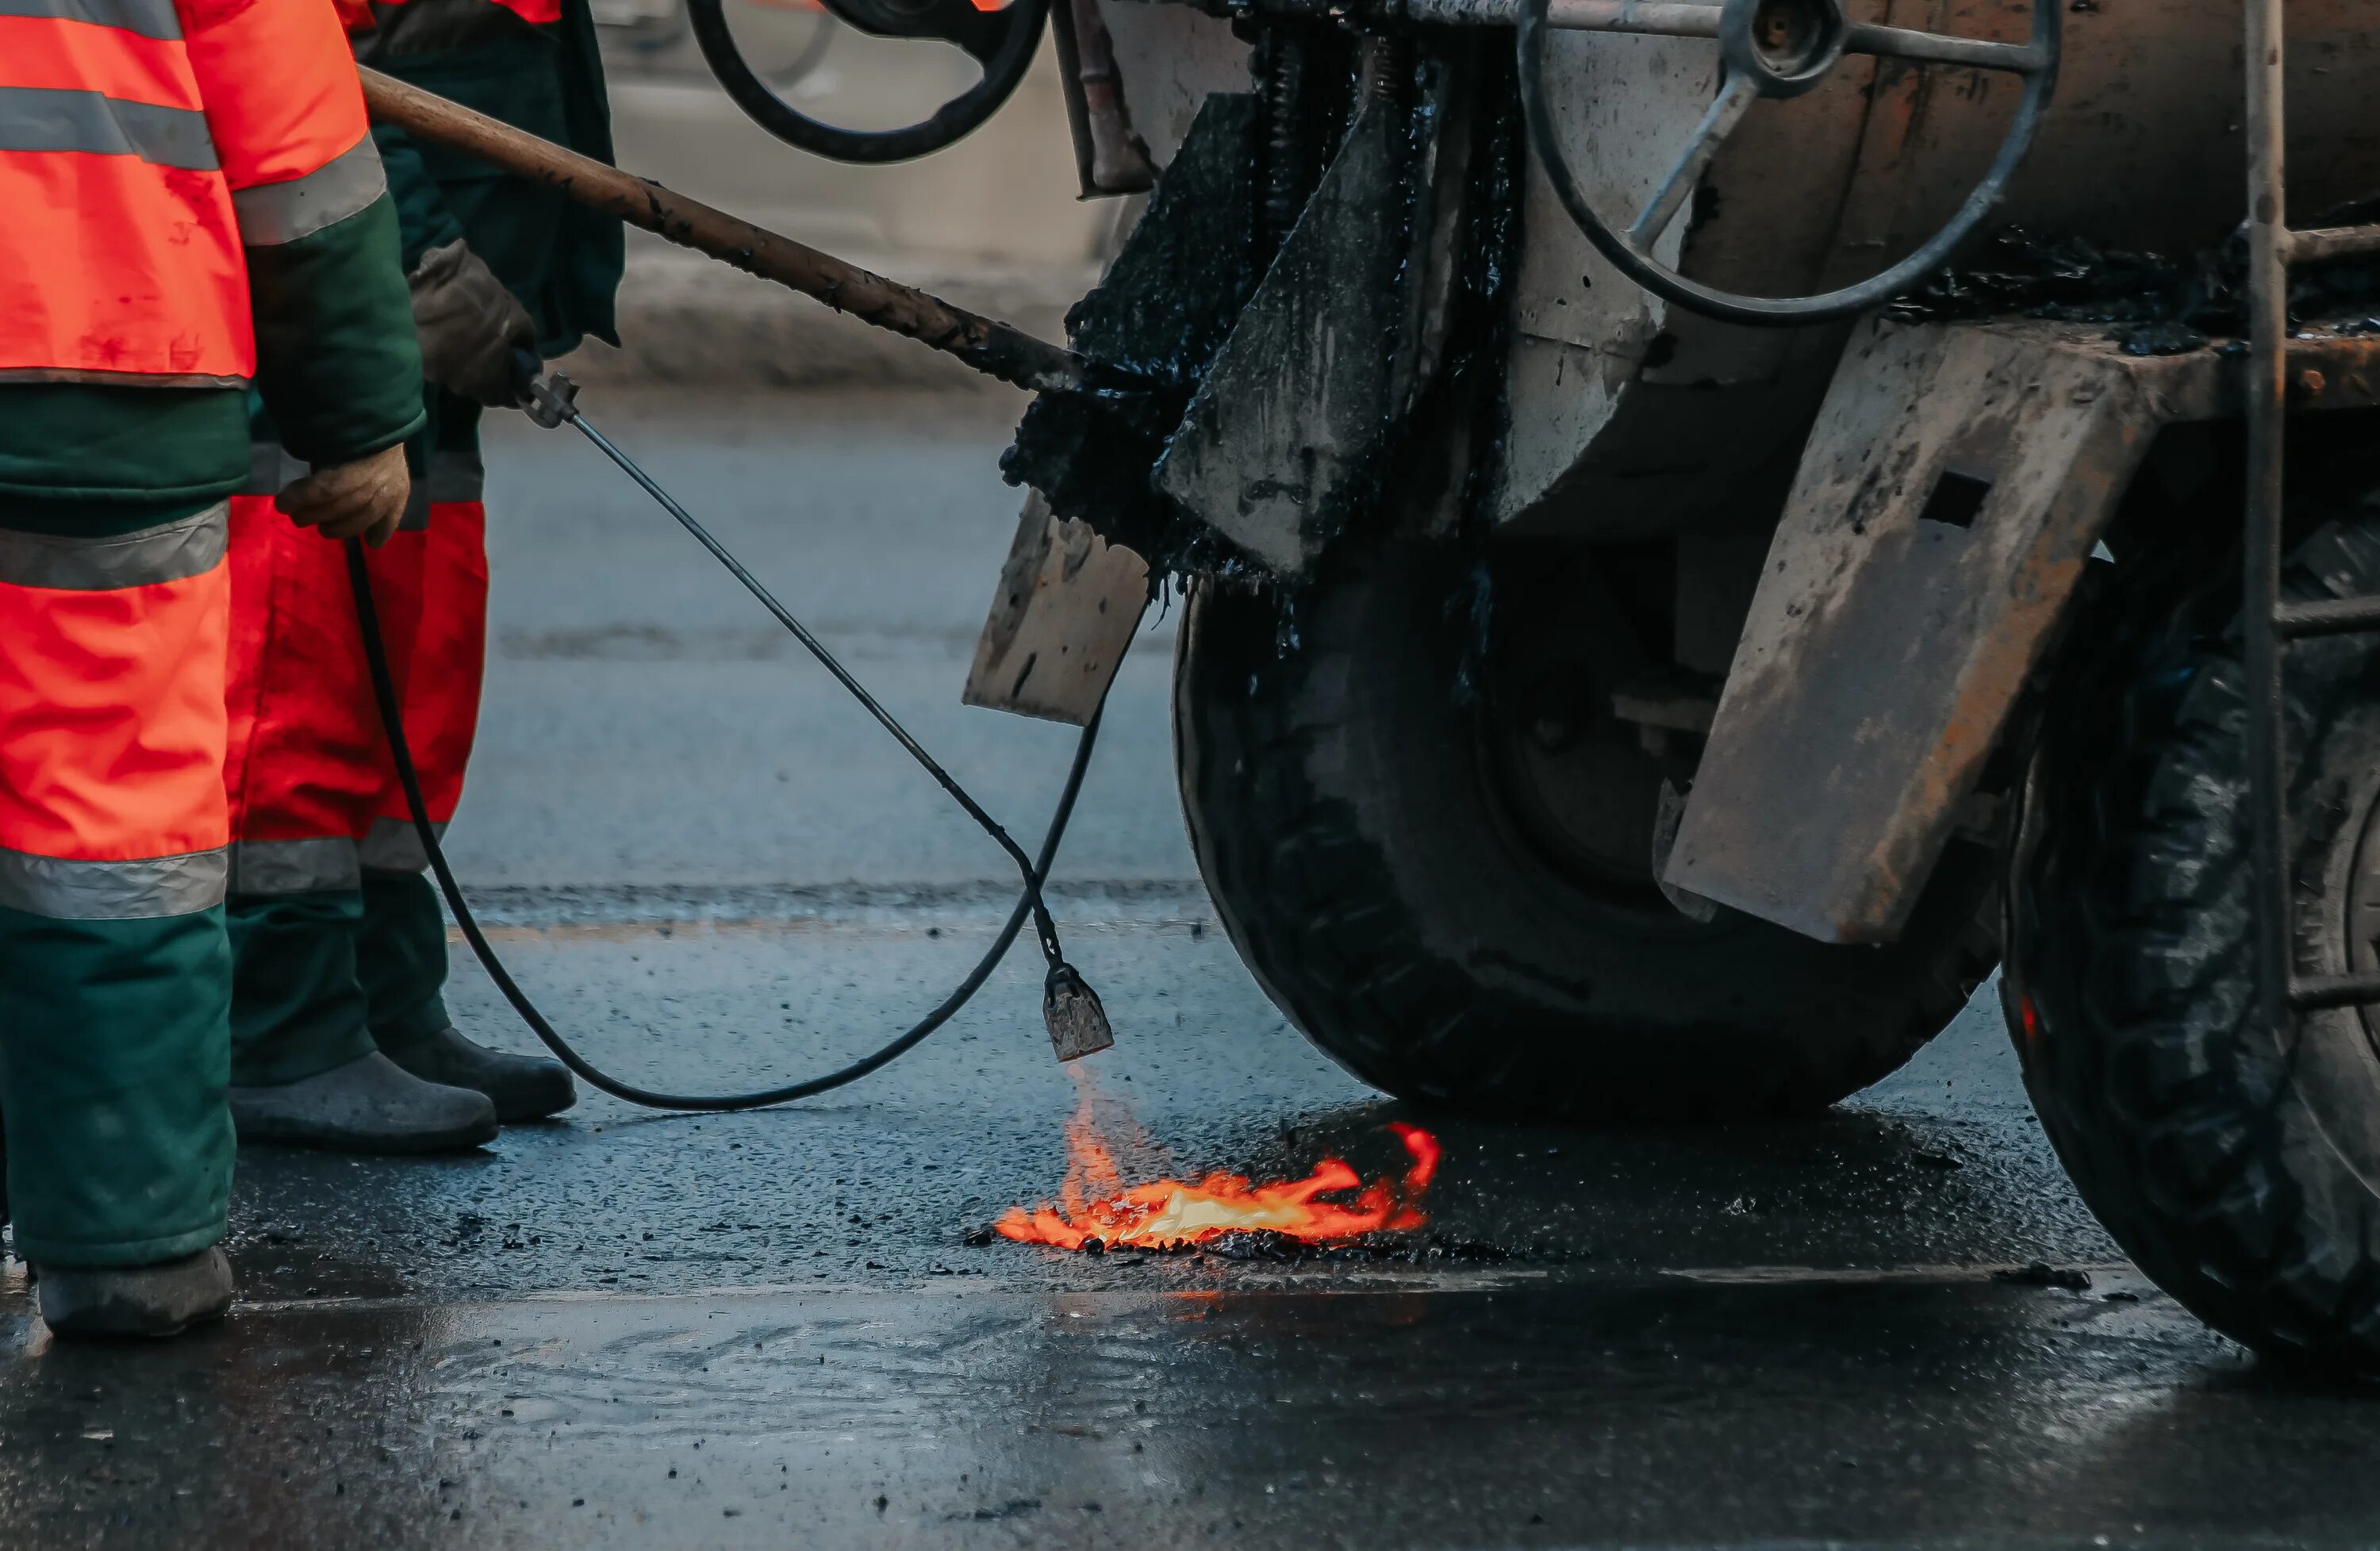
x=1094, y=1202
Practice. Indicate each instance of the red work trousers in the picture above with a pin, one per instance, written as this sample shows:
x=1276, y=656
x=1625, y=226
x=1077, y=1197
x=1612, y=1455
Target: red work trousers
x=338, y=938
x=314, y=793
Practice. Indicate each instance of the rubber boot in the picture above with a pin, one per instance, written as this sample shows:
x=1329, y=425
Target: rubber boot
x=128, y=1301
x=370, y=1105
x=521, y=1087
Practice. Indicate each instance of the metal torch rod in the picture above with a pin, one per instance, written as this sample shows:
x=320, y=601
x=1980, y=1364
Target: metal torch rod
x=985, y=344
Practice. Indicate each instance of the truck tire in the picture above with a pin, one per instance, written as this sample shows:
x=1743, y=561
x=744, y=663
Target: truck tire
x=2239, y=1165
x=1358, y=852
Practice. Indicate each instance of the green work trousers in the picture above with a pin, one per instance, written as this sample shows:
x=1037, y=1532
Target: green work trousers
x=323, y=979
x=113, y=1059
x=115, y=1145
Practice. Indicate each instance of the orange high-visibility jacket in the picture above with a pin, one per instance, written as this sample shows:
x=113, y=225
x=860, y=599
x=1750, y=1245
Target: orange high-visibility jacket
x=143, y=145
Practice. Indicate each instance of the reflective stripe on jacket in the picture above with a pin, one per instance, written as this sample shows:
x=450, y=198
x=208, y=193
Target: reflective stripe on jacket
x=144, y=144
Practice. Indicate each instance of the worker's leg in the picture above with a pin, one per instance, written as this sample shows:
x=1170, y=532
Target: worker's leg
x=300, y=771
x=115, y=971
x=439, y=592
x=303, y=772
x=442, y=595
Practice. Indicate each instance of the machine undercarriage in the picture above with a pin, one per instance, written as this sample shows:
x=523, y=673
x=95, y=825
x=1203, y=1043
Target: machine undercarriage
x=1655, y=666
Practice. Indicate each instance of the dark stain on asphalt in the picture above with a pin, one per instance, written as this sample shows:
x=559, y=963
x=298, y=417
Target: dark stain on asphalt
x=1544, y=1412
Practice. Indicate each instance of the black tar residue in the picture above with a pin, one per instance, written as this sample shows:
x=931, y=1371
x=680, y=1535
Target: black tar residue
x=1480, y=344
x=1373, y=1248
x=1189, y=269
x=2158, y=305
x=1280, y=1248
x=2041, y=1273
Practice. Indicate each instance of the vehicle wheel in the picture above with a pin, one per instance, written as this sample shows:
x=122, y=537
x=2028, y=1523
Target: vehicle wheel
x=2238, y=1164
x=1438, y=859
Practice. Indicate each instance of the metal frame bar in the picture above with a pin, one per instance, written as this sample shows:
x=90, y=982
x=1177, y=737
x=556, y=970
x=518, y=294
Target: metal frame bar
x=2268, y=327
x=2319, y=243
x=2269, y=623
x=2326, y=616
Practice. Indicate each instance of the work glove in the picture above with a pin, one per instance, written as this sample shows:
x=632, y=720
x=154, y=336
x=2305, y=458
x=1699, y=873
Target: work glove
x=469, y=324
x=364, y=499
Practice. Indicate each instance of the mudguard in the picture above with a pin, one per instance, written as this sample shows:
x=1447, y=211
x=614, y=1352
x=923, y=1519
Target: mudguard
x=1954, y=487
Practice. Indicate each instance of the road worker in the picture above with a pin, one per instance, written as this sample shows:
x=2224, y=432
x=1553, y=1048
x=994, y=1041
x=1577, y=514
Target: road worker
x=341, y=1036
x=193, y=204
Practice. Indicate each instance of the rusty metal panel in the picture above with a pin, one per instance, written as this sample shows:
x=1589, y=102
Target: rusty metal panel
x=1948, y=502
x=1061, y=621
x=1630, y=420
x=1171, y=59
x=1614, y=393
x=1948, y=499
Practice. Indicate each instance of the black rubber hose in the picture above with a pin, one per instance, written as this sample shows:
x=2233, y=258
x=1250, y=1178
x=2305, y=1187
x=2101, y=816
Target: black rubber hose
x=1043, y=925
x=392, y=723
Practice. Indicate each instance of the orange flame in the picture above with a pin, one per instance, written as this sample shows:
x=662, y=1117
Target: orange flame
x=1094, y=1202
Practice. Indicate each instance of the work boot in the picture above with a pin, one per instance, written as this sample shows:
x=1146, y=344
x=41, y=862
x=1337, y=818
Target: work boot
x=103, y=1301
x=371, y=1105
x=521, y=1087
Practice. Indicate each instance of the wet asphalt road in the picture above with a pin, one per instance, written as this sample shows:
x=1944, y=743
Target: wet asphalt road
x=629, y=1329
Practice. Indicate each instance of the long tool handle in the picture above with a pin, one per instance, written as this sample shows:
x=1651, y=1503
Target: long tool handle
x=985, y=344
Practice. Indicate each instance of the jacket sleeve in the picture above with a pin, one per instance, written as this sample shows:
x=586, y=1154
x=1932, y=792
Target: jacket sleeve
x=424, y=221
x=335, y=358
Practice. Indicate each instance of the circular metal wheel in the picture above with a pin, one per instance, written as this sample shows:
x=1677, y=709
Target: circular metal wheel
x=1002, y=41
x=1781, y=48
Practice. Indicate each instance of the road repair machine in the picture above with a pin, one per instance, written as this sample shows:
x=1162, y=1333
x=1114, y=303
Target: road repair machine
x=1707, y=527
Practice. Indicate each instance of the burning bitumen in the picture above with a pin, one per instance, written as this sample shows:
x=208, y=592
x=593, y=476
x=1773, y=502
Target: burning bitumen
x=1331, y=1210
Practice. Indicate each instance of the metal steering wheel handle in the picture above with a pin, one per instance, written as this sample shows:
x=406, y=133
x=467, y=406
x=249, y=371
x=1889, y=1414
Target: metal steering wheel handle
x=1777, y=48
x=1002, y=41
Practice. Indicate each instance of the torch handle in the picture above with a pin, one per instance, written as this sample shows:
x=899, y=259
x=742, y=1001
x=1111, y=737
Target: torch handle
x=985, y=344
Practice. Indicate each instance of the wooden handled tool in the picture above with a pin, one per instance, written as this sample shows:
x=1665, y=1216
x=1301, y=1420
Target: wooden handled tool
x=985, y=344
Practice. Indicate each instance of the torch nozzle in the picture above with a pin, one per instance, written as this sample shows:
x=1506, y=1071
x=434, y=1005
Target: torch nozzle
x=1078, y=1025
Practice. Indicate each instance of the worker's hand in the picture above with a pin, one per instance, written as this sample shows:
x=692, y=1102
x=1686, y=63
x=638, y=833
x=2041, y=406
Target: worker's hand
x=469, y=324
x=364, y=499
